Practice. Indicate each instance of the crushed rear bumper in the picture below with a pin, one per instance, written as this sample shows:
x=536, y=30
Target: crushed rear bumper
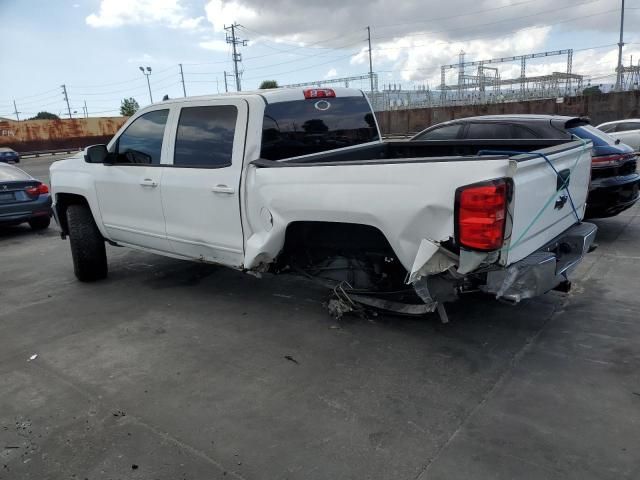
x=545, y=269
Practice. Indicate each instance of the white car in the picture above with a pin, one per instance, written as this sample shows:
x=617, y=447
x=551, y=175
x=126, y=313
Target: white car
x=298, y=181
x=627, y=131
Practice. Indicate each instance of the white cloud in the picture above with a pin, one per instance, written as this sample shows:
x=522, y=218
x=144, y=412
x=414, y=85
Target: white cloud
x=332, y=73
x=144, y=58
x=117, y=13
x=221, y=13
x=456, y=20
x=215, y=45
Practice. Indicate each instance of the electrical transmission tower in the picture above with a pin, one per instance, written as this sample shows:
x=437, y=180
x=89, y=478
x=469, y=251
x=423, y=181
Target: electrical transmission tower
x=237, y=57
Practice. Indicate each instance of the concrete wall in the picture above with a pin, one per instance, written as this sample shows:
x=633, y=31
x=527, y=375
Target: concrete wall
x=600, y=108
x=32, y=135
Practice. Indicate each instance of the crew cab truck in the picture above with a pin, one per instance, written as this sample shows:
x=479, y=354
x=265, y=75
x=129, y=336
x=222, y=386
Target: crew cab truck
x=298, y=181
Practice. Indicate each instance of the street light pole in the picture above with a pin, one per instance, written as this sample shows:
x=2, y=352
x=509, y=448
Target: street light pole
x=147, y=74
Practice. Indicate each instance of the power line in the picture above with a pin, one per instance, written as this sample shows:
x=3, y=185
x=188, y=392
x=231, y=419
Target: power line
x=474, y=12
x=484, y=36
x=507, y=20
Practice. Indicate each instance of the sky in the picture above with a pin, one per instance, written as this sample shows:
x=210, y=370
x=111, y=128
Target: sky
x=95, y=47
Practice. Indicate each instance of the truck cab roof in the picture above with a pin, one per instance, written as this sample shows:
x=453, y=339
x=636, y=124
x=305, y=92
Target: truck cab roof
x=272, y=95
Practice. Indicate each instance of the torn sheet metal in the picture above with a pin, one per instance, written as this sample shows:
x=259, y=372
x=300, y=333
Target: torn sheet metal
x=470, y=261
x=529, y=278
x=431, y=259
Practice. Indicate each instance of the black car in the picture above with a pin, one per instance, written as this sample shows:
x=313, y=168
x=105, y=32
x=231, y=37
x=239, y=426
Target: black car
x=23, y=199
x=9, y=155
x=614, y=178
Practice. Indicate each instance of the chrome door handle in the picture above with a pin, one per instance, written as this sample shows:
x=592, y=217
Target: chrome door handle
x=223, y=189
x=148, y=182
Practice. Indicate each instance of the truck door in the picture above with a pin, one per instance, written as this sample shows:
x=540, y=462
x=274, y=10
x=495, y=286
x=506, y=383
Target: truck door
x=201, y=189
x=128, y=191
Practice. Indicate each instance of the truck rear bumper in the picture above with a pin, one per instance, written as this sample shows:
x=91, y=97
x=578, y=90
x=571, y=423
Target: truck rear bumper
x=544, y=269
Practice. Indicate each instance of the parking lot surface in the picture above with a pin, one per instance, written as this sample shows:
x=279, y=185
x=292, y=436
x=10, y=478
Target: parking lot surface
x=175, y=370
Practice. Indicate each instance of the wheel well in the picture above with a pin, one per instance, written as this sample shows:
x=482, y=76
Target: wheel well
x=337, y=251
x=63, y=200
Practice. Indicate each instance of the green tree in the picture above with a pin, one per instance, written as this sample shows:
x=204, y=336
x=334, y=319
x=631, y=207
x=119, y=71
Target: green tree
x=45, y=116
x=128, y=107
x=592, y=90
x=268, y=84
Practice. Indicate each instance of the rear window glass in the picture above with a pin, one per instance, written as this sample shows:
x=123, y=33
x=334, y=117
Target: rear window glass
x=587, y=132
x=489, y=131
x=9, y=174
x=303, y=127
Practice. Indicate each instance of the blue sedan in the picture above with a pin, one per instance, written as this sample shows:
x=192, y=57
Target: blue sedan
x=9, y=155
x=23, y=199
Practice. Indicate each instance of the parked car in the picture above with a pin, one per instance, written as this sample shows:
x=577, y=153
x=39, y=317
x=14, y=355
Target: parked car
x=23, y=199
x=298, y=181
x=627, y=131
x=9, y=155
x=614, y=179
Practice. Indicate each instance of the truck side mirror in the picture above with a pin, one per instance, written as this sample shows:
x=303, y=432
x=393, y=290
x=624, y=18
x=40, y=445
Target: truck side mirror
x=96, y=154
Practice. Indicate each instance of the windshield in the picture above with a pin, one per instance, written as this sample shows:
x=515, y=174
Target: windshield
x=303, y=127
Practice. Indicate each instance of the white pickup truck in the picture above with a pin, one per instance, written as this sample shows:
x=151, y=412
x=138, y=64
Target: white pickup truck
x=299, y=181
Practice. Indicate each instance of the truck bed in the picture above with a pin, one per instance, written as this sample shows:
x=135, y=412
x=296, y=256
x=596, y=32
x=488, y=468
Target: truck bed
x=431, y=150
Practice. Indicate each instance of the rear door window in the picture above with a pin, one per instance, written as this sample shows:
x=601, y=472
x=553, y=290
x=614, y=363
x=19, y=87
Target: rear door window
x=205, y=136
x=626, y=126
x=446, y=132
x=488, y=131
x=522, y=132
x=303, y=127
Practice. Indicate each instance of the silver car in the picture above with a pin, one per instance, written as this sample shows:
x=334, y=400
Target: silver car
x=627, y=131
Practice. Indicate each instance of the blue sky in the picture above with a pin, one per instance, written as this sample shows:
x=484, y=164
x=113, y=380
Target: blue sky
x=96, y=46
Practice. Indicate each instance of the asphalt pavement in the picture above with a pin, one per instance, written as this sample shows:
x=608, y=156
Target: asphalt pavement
x=176, y=370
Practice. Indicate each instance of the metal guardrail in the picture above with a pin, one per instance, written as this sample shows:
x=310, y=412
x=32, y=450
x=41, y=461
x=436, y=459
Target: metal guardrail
x=39, y=153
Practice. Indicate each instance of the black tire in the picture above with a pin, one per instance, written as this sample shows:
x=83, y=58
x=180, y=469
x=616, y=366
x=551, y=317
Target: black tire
x=40, y=223
x=87, y=245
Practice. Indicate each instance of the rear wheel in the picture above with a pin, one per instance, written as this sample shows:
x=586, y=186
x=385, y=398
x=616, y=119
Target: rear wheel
x=40, y=223
x=87, y=245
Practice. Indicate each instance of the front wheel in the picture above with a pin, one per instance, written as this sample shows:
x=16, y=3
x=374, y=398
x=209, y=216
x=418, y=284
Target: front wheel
x=87, y=245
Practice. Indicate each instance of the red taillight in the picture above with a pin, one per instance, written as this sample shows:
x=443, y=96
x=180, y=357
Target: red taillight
x=37, y=190
x=480, y=212
x=607, y=160
x=319, y=93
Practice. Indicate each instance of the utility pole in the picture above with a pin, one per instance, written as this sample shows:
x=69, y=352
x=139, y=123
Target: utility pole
x=66, y=99
x=237, y=57
x=620, y=45
x=15, y=110
x=86, y=110
x=226, y=85
x=370, y=60
x=184, y=89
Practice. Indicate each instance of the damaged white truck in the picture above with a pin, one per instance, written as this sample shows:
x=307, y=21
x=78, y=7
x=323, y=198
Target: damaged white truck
x=299, y=181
